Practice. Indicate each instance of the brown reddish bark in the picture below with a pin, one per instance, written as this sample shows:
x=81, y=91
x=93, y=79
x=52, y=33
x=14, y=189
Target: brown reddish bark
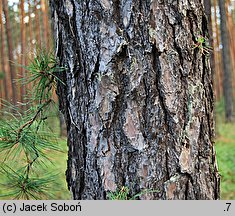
x=37, y=24
x=227, y=66
x=10, y=51
x=207, y=5
x=23, y=48
x=31, y=38
x=137, y=99
x=30, y=29
x=3, y=51
x=45, y=23
x=231, y=29
x=217, y=55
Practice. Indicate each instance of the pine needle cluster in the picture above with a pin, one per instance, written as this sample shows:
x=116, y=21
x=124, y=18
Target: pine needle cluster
x=25, y=138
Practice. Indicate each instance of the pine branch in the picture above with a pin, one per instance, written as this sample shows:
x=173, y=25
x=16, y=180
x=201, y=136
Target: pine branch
x=27, y=137
x=30, y=122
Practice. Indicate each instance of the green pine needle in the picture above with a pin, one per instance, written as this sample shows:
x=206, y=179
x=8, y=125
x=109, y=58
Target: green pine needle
x=34, y=141
x=121, y=194
x=25, y=139
x=21, y=186
x=42, y=72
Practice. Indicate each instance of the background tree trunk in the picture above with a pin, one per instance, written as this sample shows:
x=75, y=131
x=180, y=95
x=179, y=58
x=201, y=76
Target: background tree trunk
x=10, y=51
x=37, y=26
x=45, y=23
x=217, y=55
x=207, y=5
x=23, y=53
x=138, y=99
x=3, y=56
x=227, y=67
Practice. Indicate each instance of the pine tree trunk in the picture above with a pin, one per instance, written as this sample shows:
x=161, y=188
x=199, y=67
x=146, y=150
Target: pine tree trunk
x=45, y=23
x=10, y=51
x=217, y=54
x=23, y=53
x=2, y=32
x=227, y=66
x=37, y=24
x=30, y=27
x=138, y=99
x=207, y=5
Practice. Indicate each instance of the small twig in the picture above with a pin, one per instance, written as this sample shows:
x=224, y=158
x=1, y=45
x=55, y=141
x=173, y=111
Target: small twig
x=30, y=122
x=3, y=139
x=51, y=80
x=30, y=163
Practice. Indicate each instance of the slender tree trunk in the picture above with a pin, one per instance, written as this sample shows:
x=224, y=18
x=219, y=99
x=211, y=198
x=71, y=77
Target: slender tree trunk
x=138, y=99
x=3, y=51
x=10, y=51
x=23, y=46
x=31, y=36
x=231, y=30
x=227, y=67
x=30, y=27
x=207, y=5
x=217, y=54
x=45, y=22
x=37, y=24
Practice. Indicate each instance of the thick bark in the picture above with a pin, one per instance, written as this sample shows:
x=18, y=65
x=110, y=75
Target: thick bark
x=138, y=99
x=227, y=66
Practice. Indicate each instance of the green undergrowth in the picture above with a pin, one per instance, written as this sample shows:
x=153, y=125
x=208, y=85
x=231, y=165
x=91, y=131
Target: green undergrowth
x=225, y=150
x=123, y=194
x=59, y=166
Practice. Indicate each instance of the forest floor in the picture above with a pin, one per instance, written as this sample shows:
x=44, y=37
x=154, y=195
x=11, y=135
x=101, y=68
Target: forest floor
x=225, y=150
x=59, y=166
